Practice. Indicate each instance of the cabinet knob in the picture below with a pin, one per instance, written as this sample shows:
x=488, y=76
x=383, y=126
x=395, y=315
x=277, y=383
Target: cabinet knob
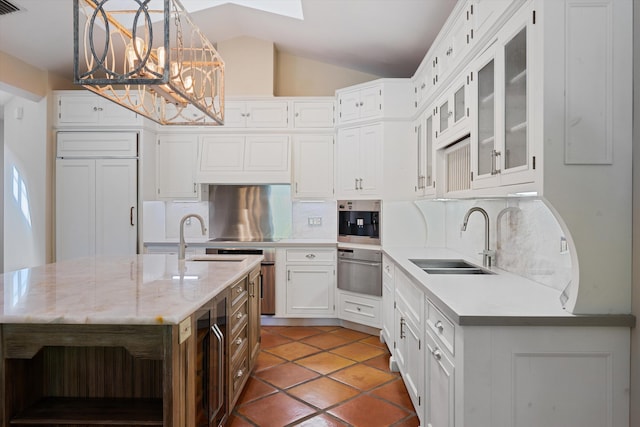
x=239, y=316
x=439, y=326
x=436, y=353
x=240, y=373
x=239, y=290
x=297, y=114
x=358, y=308
x=361, y=103
x=239, y=341
x=311, y=256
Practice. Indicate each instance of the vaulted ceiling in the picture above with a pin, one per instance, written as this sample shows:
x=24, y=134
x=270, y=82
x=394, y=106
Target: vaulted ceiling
x=387, y=38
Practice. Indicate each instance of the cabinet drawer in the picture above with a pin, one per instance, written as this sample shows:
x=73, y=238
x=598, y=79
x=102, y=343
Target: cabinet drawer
x=239, y=317
x=239, y=374
x=238, y=293
x=238, y=345
x=442, y=327
x=360, y=309
x=388, y=269
x=310, y=255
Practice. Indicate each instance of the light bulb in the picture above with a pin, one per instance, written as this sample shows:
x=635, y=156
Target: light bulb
x=134, y=54
x=160, y=52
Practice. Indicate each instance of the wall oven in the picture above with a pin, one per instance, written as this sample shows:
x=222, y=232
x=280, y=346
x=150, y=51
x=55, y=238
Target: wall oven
x=360, y=271
x=359, y=221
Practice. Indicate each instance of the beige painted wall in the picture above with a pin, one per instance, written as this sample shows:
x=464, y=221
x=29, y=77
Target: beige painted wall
x=297, y=76
x=249, y=66
x=634, y=404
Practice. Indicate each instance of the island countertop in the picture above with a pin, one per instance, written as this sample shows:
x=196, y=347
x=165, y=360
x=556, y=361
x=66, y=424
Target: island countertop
x=127, y=290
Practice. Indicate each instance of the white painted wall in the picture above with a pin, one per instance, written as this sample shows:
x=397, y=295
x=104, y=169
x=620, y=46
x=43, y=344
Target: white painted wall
x=2, y=191
x=25, y=151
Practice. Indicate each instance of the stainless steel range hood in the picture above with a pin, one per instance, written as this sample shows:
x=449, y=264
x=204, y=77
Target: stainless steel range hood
x=249, y=213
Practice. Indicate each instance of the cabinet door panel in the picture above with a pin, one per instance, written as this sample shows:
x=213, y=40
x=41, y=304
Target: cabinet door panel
x=440, y=387
x=370, y=104
x=370, y=161
x=116, y=206
x=81, y=109
x=234, y=114
x=347, y=156
x=313, y=166
x=313, y=114
x=266, y=153
x=349, y=103
x=222, y=153
x=310, y=289
x=515, y=101
x=175, y=167
x=269, y=114
x=75, y=208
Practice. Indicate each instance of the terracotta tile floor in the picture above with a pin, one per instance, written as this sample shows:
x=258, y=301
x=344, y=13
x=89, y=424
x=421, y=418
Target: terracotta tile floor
x=323, y=376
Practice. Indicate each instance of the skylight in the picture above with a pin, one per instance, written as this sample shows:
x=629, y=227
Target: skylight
x=289, y=8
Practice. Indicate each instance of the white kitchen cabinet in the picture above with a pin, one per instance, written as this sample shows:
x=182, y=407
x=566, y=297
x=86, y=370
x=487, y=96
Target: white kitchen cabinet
x=388, y=302
x=256, y=114
x=424, y=136
x=421, y=86
x=359, y=155
x=96, y=199
x=379, y=99
x=175, y=167
x=501, y=146
x=452, y=112
x=482, y=15
x=84, y=108
x=409, y=329
x=440, y=386
x=306, y=282
x=241, y=159
x=359, y=308
x=313, y=166
x=313, y=114
x=452, y=47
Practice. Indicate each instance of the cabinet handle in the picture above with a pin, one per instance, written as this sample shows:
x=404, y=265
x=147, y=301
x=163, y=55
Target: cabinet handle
x=288, y=275
x=239, y=341
x=494, y=157
x=195, y=188
x=131, y=216
x=439, y=326
x=402, y=334
x=436, y=353
x=356, y=183
x=310, y=256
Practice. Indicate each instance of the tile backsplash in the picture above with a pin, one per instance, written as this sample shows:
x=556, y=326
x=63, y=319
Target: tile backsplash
x=524, y=232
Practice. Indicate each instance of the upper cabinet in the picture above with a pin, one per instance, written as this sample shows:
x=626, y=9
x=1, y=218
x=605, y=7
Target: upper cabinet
x=377, y=100
x=256, y=114
x=313, y=166
x=501, y=149
x=244, y=159
x=313, y=114
x=84, y=108
x=452, y=112
x=175, y=167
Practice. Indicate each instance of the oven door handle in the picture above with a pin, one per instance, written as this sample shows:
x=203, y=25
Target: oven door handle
x=357, y=261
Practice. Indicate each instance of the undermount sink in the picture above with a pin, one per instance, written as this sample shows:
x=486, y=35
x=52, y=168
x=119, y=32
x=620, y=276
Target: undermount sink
x=449, y=266
x=217, y=258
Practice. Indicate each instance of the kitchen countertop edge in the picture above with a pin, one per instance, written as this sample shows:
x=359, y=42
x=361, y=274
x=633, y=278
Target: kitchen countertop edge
x=553, y=315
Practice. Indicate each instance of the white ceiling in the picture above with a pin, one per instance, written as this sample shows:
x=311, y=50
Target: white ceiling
x=387, y=38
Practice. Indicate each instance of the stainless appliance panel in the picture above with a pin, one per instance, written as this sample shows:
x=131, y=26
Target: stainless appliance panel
x=360, y=271
x=267, y=273
x=252, y=213
x=359, y=221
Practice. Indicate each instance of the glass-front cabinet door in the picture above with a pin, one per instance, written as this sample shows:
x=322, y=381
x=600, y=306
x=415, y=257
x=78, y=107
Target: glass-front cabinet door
x=424, y=135
x=501, y=148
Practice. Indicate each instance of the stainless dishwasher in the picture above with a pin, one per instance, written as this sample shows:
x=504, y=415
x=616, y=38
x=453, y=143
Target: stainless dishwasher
x=360, y=271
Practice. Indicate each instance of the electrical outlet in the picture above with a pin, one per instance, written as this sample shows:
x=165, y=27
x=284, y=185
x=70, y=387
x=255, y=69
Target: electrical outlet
x=314, y=220
x=564, y=246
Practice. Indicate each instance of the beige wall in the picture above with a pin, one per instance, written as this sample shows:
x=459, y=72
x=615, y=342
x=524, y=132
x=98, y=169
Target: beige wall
x=249, y=65
x=297, y=76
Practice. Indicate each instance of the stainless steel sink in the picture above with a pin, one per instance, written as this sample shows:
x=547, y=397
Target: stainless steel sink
x=449, y=266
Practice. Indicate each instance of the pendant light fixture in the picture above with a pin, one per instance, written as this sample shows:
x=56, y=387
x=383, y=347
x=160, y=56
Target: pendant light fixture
x=148, y=56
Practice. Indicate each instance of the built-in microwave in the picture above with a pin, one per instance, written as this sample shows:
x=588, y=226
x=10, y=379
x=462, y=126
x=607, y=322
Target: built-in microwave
x=359, y=221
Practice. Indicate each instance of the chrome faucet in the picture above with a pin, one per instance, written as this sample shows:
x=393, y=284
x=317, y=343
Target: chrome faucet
x=487, y=254
x=183, y=246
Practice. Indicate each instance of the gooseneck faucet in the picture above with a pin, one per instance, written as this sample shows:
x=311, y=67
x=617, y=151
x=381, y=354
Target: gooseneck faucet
x=487, y=254
x=183, y=246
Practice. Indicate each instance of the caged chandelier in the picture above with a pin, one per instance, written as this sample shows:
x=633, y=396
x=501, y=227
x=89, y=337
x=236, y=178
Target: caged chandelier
x=148, y=56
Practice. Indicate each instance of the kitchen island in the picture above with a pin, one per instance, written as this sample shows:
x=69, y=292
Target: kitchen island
x=116, y=341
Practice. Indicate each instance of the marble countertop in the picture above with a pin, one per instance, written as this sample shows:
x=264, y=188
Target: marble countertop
x=206, y=242
x=501, y=299
x=132, y=290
